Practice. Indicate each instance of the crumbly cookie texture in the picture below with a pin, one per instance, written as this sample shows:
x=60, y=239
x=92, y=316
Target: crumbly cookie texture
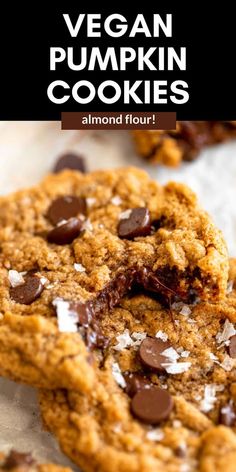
x=183, y=144
x=190, y=421
x=21, y=462
x=77, y=244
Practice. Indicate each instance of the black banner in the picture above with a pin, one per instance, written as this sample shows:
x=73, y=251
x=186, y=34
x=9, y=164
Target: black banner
x=61, y=58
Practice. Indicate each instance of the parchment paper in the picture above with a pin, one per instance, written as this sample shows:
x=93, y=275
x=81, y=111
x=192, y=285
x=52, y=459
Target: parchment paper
x=27, y=152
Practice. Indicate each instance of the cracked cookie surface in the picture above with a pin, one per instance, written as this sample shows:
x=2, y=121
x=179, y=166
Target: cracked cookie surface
x=183, y=144
x=101, y=430
x=81, y=238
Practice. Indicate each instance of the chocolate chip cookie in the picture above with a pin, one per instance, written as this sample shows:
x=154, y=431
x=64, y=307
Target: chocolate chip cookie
x=165, y=391
x=75, y=245
x=21, y=462
x=183, y=144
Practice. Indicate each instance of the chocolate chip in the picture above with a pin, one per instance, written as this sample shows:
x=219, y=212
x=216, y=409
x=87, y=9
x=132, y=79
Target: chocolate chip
x=70, y=161
x=152, y=405
x=28, y=292
x=180, y=451
x=135, y=382
x=232, y=347
x=227, y=415
x=64, y=208
x=137, y=224
x=150, y=352
x=66, y=232
x=16, y=459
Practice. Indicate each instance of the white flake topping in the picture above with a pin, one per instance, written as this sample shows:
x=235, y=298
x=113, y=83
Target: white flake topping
x=228, y=331
x=79, y=267
x=213, y=357
x=116, y=372
x=124, y=215
x=171, y=354
x=230, y=286
x=185, y=310
x=176, y=367
x=155, y=434
x=117, y=428
x=177, y=306
x=87, y=225
x=138, y=338
x=185, y=353
x=67, y=320
x=15, y=278
x=90, y=201
x=177, y=424
x=209, y=399
x=161, y=335
x=228, y=363
x=126, y=340
x=116, y=200
x=44, y=280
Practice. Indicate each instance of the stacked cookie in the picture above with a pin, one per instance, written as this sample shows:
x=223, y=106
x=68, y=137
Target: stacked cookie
x=113, y=302
x=183, y=144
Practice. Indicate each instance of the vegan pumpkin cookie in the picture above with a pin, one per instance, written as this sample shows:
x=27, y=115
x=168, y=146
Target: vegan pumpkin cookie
x=183, y=144
x=77, y=244
x=165, y=391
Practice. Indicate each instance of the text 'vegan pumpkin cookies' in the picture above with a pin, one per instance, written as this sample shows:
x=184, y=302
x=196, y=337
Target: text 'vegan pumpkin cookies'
x=164, y=398
x=79, y=243
x=21, y=462
x=183, y=144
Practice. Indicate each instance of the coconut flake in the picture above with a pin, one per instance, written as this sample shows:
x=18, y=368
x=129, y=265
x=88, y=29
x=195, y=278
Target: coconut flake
x=117, y=428
x=176, y=367
x=138, y=338
x=79, y=267
x=171, y=354
x=213, y=357
x=176, y=424
x=124, y=341
x=87, y=225
x=228, y=363
x=155, y=434
x=185, y=353
x=44, y=280
x=230, y=286
x=185, y=310
x=161, y=335
x=209, y=399
x=116, y=200
x=177, y=306
x=124, y=215
x=90, y=201
x=66, y=318
x=116, y=372
x=226, y=334
x=15, y=278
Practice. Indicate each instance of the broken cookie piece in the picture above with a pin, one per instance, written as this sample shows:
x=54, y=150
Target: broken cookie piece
x=75, y=245
x=164, y=396
x=183, y=144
